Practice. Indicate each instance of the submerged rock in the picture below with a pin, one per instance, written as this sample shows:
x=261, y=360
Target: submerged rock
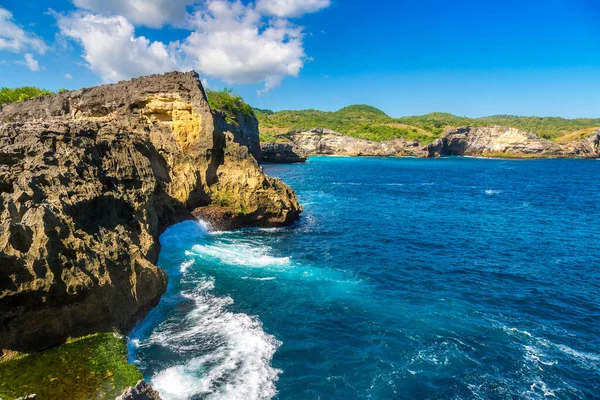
x=141, y=391
x=88, y=181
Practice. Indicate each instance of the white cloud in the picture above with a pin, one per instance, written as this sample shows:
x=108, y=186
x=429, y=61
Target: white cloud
x=231, y=43
x=151, y=13
x=68, y=76
x=291, y=8
x=111, y=49
x=14, y=38
x=30, y=62
x=229, y=40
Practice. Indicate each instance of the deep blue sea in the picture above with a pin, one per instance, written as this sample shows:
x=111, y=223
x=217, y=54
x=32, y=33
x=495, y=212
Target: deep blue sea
x=406, y=278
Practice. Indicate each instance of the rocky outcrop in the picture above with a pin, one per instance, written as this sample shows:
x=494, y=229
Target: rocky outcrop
x=321, y=141
x=283, y=153
x=490, y=141
x=587, y=147
x=244, y=129
x=493, y=141
x=88, y=181
x=510, y=142
x=141, y=391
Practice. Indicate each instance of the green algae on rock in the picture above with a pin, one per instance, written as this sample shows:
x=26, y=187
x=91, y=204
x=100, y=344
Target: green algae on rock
x=94, y=366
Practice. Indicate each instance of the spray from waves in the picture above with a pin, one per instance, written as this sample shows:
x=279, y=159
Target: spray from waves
x=239, y=253
x=226, y=355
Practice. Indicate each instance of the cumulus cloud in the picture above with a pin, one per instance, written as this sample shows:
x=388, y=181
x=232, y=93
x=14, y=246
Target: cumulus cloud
x=30, y=62
x=229, y=40
x=231, y=43
x=112, y=50
x=68, y=76
x=14, y=38
x=291, y=8
x=151, y=13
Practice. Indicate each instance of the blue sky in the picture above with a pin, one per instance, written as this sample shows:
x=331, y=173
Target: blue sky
x=466, y=57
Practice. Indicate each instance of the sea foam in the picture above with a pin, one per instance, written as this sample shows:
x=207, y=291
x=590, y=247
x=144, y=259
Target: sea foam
x=227, y=355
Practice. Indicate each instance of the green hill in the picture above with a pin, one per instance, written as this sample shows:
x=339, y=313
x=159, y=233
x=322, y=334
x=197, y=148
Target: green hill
x=370, y=123
x=360, y=121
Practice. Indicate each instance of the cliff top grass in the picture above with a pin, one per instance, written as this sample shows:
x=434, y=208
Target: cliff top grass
x=230, y=103
x=93, y=366
x=366, y=122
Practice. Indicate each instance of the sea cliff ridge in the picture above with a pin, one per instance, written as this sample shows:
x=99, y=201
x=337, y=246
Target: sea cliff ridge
x=88, y=181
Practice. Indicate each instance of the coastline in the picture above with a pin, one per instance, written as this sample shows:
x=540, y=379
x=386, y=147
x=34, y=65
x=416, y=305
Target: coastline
x=90, y=179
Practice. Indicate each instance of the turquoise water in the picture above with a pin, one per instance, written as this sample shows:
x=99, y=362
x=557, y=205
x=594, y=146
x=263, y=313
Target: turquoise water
x=405, y=279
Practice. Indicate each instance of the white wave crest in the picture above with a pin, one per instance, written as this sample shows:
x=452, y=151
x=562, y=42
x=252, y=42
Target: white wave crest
x=240, y=253
x=228, y=354
x=268, y=278
x=490, y=192
x=185, y=265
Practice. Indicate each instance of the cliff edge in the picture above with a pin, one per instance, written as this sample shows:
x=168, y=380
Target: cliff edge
x=88, y=181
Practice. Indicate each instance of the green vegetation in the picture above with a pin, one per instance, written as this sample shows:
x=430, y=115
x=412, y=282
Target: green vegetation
x=546, y=127
x=89, y=367
x=359, y=121
x=13, y=95
x=366, y=122
x=230, y=103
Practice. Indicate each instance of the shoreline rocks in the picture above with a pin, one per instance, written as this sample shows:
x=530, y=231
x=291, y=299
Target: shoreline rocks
x=494, y=141
x=141, y=391
x=88, y=181
x=282, y=153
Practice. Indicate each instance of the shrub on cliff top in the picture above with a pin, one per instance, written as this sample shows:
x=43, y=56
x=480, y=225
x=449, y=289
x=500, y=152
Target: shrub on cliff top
x=230, y=103
x=13, y=95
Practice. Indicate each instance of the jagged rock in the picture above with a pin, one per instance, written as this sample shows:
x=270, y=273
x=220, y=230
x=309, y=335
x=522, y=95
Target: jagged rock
x=244, y=129
x=466, y=141
x=141, y=391
x=587, y=147
x=284, y=153
x=88, y=181
x=321, y=141
x=489, y=141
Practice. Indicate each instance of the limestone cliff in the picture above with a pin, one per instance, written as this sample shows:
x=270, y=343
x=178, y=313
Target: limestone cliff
x=586, y=147
x=493, y=141
x=89, y=179
x=244, y=129
x=321, y=141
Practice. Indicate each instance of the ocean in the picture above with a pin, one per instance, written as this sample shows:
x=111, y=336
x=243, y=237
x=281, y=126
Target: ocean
x=454, y=278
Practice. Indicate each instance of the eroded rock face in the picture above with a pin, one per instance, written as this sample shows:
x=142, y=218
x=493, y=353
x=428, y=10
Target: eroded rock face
x=244, y=130
x=284, y=153
x=489, y=141
x=494, y=141
x=588, y=147
x=89, y=179
x=321, y=141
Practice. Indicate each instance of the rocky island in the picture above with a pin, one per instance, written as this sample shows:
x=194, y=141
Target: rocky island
x=88, y=181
